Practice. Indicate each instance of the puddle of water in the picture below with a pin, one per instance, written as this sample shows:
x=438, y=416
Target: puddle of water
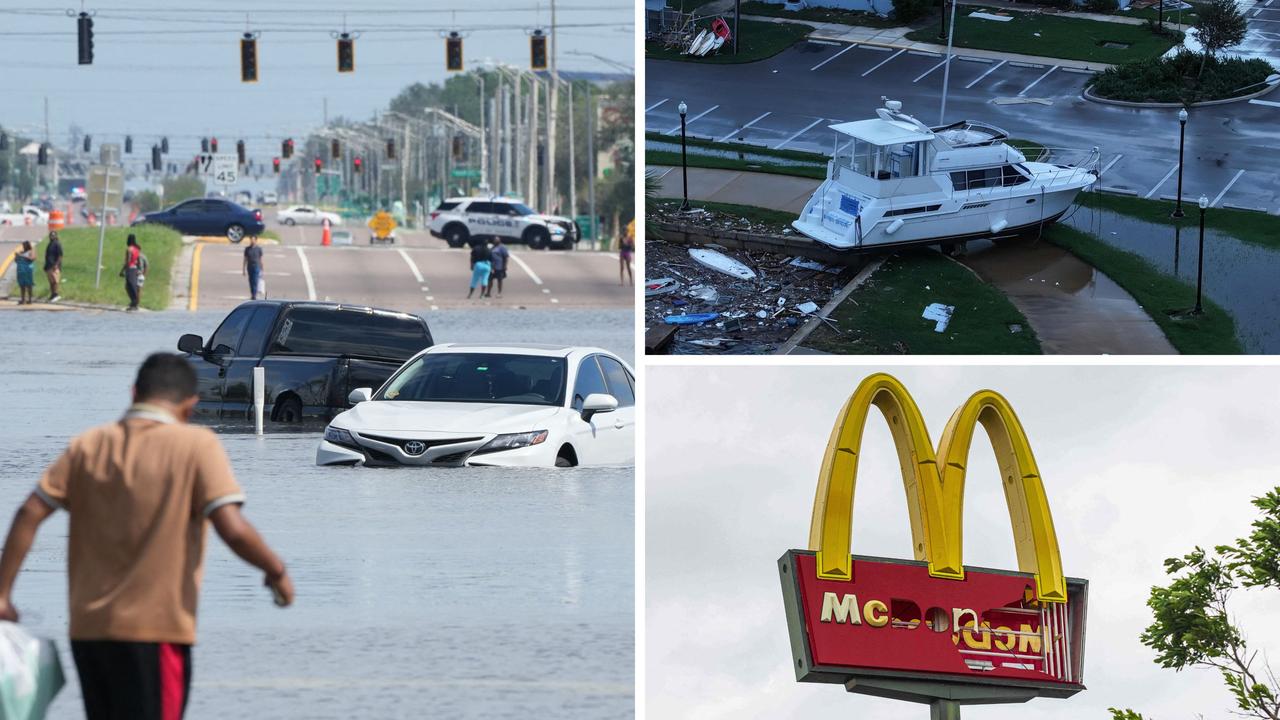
x=744, y=154
x=1239, y=276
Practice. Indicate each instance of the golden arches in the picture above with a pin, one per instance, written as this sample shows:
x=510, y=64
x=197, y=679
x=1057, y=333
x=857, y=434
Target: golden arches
x=935, y=493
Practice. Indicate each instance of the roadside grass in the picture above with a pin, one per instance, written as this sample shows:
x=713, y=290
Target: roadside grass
x=1254, y=227
x=1059, y=37
x=820, y=14
x=662, y=157
x=776, y=220
x=883, y=316
x=80, y=253
x=757, y=40
x=737, y=147
x=1032, y=149
x=1163, y=297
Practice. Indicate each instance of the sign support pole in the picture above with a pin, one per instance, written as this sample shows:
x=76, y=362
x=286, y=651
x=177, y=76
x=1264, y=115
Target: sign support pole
x=944, y=710
x=102, y=228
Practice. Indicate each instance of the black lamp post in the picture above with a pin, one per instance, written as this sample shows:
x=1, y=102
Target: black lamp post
x=1160, y=3
x=684, y=164
x=1204, y=203
x=1182, y=136
x=942, y=23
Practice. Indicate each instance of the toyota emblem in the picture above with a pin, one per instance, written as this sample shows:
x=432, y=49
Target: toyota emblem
x=415, y=447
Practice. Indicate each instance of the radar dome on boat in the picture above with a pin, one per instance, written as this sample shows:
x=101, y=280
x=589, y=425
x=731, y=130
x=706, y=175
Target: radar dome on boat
x=893, y=104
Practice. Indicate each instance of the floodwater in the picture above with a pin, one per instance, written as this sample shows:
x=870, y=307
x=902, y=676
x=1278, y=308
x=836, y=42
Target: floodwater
x=1239, y=276
x=470, y=592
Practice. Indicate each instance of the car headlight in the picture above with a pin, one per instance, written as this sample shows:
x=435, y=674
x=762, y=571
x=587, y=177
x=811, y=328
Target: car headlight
x=511, y=441
x=338, y=436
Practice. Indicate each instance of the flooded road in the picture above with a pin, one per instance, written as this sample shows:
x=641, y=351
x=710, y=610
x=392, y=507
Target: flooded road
x=473, y=592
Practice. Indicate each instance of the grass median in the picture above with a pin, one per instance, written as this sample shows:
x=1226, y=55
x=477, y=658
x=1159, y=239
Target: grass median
x=820, y=14
x=1251, y=226
x=1166, y=299
x=80, y=254
x=705, y=153
x=757, y=40
x=1052, y=36
x=883, y=316
x=661, y=157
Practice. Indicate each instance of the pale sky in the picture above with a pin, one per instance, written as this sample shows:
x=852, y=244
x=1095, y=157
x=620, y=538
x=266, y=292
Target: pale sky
x=1139, y=464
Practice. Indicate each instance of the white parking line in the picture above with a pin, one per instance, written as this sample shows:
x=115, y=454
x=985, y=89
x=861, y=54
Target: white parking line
x=1272, y=103
x=1033, y=84
x=1114, y=160
x=1152, y=191
x=744, y=127
x=935, y=67
x=833, y=57
x=1257, y=12
x=988, y=72
x=655, y=105
x=412, y=265
x=883, y=62
x=306, y=273
x=527, y=270
x=688, y=122
x=793, y=137
x=1225, y=189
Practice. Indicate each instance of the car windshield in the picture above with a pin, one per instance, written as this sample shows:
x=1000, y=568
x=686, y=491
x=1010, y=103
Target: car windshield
x=480, y=378
x=523, y=209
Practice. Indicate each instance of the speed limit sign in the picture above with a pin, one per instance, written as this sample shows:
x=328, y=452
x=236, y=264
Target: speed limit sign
x=222, y=169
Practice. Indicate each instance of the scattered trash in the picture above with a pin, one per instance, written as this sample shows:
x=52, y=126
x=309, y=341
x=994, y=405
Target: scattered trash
x=732, y=325
x=1015, y=328
x=660, y=286
x=679, y=303
x=762, y=314
x=808, y=307
x=989, y=16
x=792, y=322
x=690, y=319
x=705, y=293
x=782, y=301
x=808, y=264
x=721, y=263
x=939, y=313
x=709, y=343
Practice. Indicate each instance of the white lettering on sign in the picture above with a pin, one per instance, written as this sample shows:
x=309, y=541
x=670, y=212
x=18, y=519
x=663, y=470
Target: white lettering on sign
x=841, y=608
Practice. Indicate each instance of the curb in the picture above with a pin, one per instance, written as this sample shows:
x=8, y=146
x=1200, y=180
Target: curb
x=1088, y=95
x=682, y=234
x=805, y=330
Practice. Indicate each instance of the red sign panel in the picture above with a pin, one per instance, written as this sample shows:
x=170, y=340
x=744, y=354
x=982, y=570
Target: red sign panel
x=893, y=616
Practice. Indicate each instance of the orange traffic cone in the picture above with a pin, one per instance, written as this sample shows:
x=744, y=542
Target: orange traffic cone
x=326, y=238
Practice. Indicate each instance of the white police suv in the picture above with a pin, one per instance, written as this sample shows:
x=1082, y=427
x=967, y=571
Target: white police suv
x=459, y=220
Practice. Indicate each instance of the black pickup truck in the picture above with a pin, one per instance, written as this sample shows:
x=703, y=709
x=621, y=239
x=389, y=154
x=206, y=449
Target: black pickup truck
x=314, y=354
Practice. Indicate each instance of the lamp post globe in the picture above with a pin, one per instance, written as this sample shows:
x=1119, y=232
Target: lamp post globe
x=684, y=164
x=1182, y=136
x=1204, y=205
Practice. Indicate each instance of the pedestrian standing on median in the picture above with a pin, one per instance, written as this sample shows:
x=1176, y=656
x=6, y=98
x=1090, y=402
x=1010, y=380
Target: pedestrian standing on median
x=130, y=271
x=140, y=492
x=498, y=256
x=253, y=266
x=627, y=250
x=53, y=265
x=25, y=262
x=481, y=258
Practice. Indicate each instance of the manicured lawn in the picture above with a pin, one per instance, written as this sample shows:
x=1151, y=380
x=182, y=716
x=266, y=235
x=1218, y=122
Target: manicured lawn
x=80, y=254
x=775, y=219
x=757, y=40
x=1252, y=227
x=883, y=315
x=1033, y=150
x=1165, y=298
x=1059, y=37
x=662, y=157
x=819, y=14
x=814, y=157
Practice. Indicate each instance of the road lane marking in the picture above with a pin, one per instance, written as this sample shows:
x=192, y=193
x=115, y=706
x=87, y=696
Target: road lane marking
x=833, y=57
x=528, y=270
x=1152, y=191
x=744, y=127
x=1225, y=189
x=655, y=105
x=793, y=137
x=935, y=67
x=306, y=273
x=883, y=62
x=554, y=300
x=1272, y=103
x=193, y=300
x=1033, y=84
x=990, y=70
x=689, y=122
x=1114, y=160
x=1257, y=12
x=413, y=267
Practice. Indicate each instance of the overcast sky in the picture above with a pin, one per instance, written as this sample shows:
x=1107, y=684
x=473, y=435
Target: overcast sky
x=176, y=70
x=1139, y=463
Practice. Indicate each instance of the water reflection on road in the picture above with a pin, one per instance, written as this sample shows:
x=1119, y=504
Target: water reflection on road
x=473, y=592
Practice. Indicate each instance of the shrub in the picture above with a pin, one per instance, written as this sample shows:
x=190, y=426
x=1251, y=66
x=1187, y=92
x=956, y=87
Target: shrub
x=147, y=201
x=1178, y=79
x=908, y=11
x=1104, y=7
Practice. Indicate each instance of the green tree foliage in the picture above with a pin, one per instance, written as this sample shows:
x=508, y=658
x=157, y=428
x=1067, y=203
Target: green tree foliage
x=1221, y=26
x=908, y=11
x=1191, y=625
x=1124, y=714
x=182, y=187
x=147, y=201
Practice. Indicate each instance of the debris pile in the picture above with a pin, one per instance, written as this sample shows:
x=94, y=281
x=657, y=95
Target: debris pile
x=669, y=212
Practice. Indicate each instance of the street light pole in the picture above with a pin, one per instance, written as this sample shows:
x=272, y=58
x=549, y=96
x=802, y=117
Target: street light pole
x=684, y=164
x=1204, y=203
x=1182, y=137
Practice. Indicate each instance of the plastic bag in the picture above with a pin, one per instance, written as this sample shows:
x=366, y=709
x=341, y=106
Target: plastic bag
x=30, y=673
x=262, y=287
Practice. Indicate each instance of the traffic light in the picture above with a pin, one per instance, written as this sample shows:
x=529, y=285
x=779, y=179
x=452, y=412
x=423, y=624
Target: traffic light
x=457, y=147
x=42, y=155
x=240, y=152
x=164, y=145
x=286, y=149
x=4, y=141
x=346, y=53
x=319, y=164
x=538, y=51
x=155, y=157
x=128, y=144
x=391, y=149
x=88, y=141
x=249, y=59
x=335, y=150
x=213, y=144
x=84, y=33
x=204, y=145
x=358, y=164
x=275, y=165
x=453, y=52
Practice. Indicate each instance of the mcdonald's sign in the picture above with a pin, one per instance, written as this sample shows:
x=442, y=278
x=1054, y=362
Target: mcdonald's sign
x=931, y=628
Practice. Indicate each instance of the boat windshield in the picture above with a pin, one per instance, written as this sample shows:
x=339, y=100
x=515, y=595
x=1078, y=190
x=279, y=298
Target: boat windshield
x=480, y=378
x=881, y=162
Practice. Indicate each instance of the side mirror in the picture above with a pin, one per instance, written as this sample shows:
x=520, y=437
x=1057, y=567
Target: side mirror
x=598, y=403
x=192, y=344
x=360, y=395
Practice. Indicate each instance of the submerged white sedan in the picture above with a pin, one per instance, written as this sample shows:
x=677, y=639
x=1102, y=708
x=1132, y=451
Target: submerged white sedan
x=507, y=405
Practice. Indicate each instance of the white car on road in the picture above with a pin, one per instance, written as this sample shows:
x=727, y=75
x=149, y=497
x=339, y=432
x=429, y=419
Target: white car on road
x=506, y=405
x=307, y=215
x=458, y=220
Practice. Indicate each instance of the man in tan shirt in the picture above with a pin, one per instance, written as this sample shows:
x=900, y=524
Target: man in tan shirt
x=139, y=491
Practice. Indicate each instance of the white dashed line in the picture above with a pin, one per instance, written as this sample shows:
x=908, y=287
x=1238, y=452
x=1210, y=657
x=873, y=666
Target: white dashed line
x=554, y=300
x=435, y=307
x=1271, y=103
x=744, y=127
x=990, y=70
x=935, y=67
x=1225, y=189
x=1114, y=160
x=1152, y=191
x=656, y=105
x=546, y=291
x=877, y=66
x=425, y=288
x=833, y=57
x=688, y=122
x=793, y=137
x=431, y=298
x=527, y=270
x=306, y=273
x=412, y=265
x=1037, y=80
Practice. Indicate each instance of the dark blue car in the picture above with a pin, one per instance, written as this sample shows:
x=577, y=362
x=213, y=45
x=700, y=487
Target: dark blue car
x=208, y=216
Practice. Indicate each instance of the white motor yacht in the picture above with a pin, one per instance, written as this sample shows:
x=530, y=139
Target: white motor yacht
x=894, y=181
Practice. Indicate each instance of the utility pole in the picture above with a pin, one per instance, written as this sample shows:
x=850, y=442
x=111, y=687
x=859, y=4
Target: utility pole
x=573, y=176
x=484, y=147
x=591, y=164
x=326, y=112
x=518, y=148
x=404, y=168
x=553, y=106
x=532, y=197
